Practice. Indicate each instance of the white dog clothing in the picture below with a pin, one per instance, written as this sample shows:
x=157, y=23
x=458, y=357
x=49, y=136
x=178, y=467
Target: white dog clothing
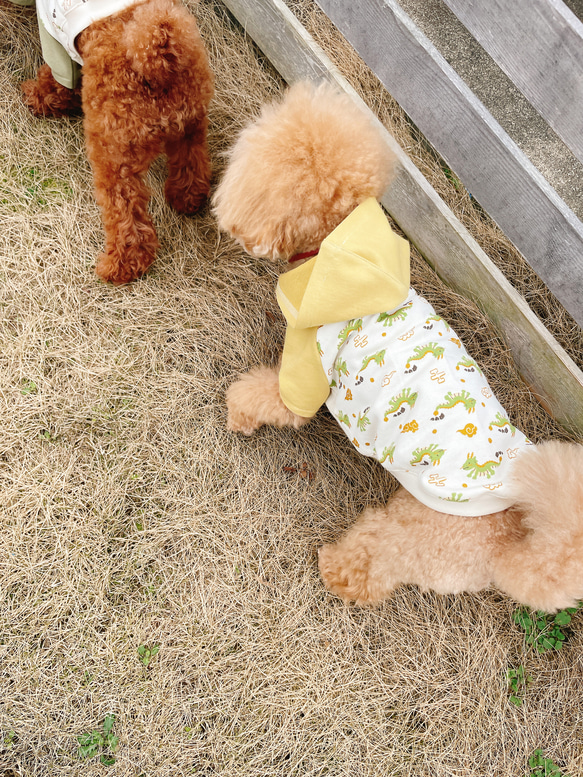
x=60, y=21
x=400, y=383
x=65, y=19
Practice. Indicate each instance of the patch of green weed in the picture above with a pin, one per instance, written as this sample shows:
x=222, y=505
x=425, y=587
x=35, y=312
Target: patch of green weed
x=27, y=186
x=103, y=743
x=543, y=767
x=517, y=683
x=452, y=177
x=542, y=631
x=147, y=654
x=29, y=388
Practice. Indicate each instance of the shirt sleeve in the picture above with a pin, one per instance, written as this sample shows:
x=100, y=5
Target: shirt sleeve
x=303, y=385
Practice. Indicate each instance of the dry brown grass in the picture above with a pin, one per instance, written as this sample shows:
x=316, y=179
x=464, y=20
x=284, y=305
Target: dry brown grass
x=131, y=517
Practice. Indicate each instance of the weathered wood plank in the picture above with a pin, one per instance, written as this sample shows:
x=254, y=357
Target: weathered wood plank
x=488, y=162
x=430, y=225
x=539, y=45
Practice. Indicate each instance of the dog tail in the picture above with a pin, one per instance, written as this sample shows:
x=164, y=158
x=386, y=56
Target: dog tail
x=544, y=569
x=162, y=40
x=549, y=486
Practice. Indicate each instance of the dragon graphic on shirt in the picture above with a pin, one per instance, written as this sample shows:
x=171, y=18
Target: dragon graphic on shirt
x=476, y=470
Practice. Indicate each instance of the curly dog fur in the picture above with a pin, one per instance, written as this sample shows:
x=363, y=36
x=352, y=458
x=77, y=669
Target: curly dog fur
x=145, y=89
x=531, y=551
x=269, y=200
x=293, y=176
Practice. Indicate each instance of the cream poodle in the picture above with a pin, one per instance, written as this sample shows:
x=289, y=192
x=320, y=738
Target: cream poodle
x=480, y=505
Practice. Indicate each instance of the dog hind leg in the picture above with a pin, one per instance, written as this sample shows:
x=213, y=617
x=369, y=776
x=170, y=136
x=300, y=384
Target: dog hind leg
x=46, y=97
x=352, y=567
x=189, y=169
x=130, y=238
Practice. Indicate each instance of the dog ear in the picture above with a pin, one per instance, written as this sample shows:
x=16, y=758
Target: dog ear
x=296, y=234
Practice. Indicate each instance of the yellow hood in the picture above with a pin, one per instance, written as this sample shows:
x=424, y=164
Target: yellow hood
x=362, y=268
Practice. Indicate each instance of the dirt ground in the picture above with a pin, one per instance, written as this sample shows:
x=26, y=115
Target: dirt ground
x=132, y=520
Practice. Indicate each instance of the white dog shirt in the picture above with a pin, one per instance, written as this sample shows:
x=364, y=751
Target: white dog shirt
x=400, y=383
x=405, y=391
x=65, y=19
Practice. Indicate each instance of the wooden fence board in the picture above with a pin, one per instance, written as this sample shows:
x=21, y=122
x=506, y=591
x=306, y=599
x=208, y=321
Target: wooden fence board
x=489, y=163
x=539, y=45
x=430, y=225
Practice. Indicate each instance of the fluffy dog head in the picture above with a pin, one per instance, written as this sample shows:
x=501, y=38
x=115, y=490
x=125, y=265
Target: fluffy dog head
x=299, y=170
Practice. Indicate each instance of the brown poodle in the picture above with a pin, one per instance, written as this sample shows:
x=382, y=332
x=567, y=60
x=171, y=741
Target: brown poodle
x=145, y=89
x=481, y=505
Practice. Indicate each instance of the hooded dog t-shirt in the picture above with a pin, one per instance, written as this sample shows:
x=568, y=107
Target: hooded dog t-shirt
x=399, y=382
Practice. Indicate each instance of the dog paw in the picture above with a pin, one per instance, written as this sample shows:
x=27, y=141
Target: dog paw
x=237, y=422
x=187, y=202
x=32, y=99
x=345, y=572
x=111, y=272
x=119, y=267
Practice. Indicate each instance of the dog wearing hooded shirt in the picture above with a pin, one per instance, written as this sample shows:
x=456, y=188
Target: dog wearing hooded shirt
x=480, y=505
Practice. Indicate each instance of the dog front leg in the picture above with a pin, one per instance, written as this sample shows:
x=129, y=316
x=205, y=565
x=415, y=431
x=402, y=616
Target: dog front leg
x=254, y=400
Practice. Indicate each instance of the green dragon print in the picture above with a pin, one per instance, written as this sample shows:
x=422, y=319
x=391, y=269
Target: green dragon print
x=454, y=498
x=398, y=402
x=354, y=325
x=341, y=367
x=451, y=400
x=319, y=347
x=503, y=425
x=343, y=418
x=388, y=453
x=377, y=358
x=431, y=451
x=475, y=470
x=469, y=365
x=438, y=319
x=388, y=319
x=421, y=351
x=363, y=420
